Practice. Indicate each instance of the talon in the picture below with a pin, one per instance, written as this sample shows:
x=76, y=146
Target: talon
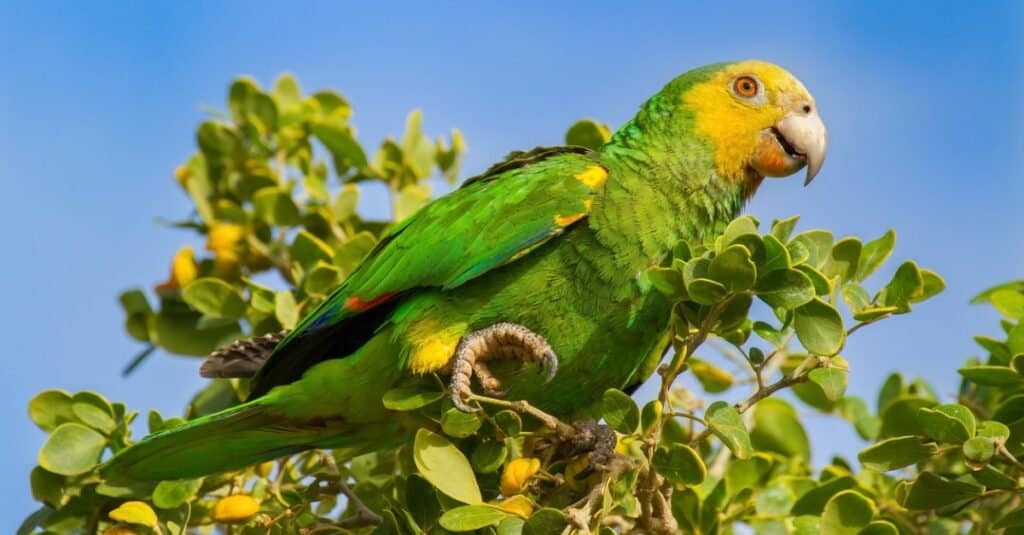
x=597, y=439
x=549, y=365
x=501, y=340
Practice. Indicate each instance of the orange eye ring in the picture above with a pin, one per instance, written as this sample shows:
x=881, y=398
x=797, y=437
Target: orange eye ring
x=746, y=86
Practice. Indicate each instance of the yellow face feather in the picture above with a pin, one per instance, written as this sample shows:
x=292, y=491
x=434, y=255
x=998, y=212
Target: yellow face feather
x=733, y=122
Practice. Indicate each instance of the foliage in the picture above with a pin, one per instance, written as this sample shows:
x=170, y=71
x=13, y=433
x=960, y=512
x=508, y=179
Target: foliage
x=764, y=310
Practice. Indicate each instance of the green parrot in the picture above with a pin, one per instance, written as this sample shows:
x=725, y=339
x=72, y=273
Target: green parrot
x=538, y=259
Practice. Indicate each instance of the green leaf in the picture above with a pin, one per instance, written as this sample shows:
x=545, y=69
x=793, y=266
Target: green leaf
x=979, y=449
x=818, y=244
x=135, y=512
x=706, y=291
x=620, y=411
x=777, y=428
x=407, y=398
x=94, y=410
x=933, y=284
x=949, y=424
x=72, y=449
x=819, y=327
x=822, y=286
x=471, y=517
x=307, y=250
x=668, y=281
x=874, y=313
x=931, y=491
x=409, y=199
x=321, y=279
x=174, y=493
x=285, y=309
x=545, y=521
x=994, y=479
x=47, y=487
x=1013, y=519
x=458, y=424
x=785, y=288
x=1009, y=302
x=712, y=378
x=679, y=463
x=776, y=255
x=727, y=424
x=445, y=467
x=733, y=268
x=906, y=285
x=50, y=408
x=899, y=417
x=993, y=429
x=276, y=207
x=215, y=298
x=488, y=456
x=345, y=150
x=1000, y=376
x=783, y=228
x=880, y=527
x=286, y=91
x=896, y=452
x=588, y=133
x=847, y=513
x=843, y=259
x=855, y=410
x=831, y=380
x=813, y=501
x=874, y=254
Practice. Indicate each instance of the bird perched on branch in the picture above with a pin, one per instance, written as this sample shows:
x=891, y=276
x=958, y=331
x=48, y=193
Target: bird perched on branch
x=538, y=259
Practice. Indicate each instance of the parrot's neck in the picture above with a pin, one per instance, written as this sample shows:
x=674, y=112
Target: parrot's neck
x=663, y=188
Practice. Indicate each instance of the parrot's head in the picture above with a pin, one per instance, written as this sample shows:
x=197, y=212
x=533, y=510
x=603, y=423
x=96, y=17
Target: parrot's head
x=758, y=118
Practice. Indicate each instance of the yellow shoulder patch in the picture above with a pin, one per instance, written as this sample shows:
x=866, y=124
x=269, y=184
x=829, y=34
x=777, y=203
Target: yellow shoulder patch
x=594, y=176
x=566, y=220
x=433, y=353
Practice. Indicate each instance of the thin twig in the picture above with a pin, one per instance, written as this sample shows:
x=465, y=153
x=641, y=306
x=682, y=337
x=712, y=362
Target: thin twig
x=563, y=429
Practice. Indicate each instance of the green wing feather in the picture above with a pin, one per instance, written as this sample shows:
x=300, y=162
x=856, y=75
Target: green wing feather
x=491, y=220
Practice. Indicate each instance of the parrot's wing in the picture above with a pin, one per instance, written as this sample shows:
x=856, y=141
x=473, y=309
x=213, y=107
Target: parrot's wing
x=493, y=219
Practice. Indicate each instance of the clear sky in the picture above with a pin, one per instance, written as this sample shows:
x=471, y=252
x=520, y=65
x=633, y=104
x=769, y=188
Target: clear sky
x=98, y=103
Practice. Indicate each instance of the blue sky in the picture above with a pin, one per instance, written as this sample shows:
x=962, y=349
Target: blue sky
x=97, y=106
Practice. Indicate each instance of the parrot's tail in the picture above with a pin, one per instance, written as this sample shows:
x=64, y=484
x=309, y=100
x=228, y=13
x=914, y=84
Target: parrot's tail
x=228, y=440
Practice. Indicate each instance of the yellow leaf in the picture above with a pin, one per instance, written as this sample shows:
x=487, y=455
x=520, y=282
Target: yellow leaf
x=517, y=505
x=135, y=512
x=237, y=508
x=517, y=473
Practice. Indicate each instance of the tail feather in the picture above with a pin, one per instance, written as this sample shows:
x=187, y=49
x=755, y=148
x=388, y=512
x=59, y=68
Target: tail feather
x=228, y=440
x=242, y=358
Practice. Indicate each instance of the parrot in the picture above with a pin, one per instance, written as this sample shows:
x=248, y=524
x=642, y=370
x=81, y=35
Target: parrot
x=540, y=259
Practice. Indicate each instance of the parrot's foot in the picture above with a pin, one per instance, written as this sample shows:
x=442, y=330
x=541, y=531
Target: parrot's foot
x=596, y=439
x=501, y=340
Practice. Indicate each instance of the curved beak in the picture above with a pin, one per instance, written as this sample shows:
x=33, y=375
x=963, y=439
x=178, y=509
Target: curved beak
x=807, y=139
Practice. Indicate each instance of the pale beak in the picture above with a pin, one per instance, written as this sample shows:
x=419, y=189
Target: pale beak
x=805, y=135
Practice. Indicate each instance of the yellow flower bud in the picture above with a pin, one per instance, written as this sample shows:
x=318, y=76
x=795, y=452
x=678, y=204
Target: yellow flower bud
x=183, y=270
x=233, y=509
x=135, y=512
x=517, y=505
x=264, y=469
x=224, y=236
x=517, y=473
x=181, y=175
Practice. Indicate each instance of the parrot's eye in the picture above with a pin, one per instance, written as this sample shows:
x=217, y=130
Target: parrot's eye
x=746, y=86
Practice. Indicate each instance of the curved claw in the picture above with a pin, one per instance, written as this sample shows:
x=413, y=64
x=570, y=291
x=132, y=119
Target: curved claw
x=456, y=396
x=549, y=365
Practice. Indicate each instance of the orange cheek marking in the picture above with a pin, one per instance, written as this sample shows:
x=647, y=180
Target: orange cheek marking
x=357, y=304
